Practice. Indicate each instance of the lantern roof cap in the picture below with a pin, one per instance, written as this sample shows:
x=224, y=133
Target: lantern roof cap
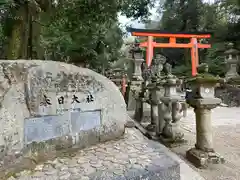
x=231, y=50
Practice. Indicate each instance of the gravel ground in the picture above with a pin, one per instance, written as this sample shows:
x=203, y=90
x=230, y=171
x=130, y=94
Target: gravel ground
x=226, y=127
x=131, y=157
x=226, y=137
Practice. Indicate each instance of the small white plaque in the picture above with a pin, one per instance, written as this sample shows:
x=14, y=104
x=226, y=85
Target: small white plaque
x=207, y=90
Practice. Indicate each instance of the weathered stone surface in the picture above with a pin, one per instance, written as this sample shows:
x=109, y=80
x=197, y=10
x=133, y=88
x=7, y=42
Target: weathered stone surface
x=80, y=107
x=133, y=157
x=202, y=159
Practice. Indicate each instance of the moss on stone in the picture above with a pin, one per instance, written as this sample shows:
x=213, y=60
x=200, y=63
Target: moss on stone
x=205, y=78
x=11, y=174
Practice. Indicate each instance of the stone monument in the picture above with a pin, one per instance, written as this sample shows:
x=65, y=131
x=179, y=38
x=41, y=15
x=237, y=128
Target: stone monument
x=48, y=105
x=203, y=101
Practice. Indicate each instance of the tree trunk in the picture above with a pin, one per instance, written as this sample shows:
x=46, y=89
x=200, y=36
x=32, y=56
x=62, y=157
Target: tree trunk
x=17, y=44
x=30, y=39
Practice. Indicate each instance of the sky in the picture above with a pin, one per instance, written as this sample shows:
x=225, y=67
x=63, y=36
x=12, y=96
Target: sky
x=135, y=23
x=125, y=21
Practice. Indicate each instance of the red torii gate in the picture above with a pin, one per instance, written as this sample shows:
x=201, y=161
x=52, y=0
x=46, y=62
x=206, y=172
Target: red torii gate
x=193, y=44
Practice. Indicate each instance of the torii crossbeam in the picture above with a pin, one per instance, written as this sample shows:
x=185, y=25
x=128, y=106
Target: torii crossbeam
x=193, y=44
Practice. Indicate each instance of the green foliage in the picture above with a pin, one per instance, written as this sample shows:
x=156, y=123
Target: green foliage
x=183, y=15
x=137, y=8
x=182, y=70
x=75, y=31
x=82, y=31
x=215, y=59
x=83, y=37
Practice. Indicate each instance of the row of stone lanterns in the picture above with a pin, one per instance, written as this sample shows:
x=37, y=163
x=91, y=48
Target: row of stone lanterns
x=166, y=104
x=167, y=108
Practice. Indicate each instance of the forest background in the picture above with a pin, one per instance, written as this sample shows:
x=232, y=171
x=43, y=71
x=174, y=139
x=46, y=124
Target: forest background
x=88, y=32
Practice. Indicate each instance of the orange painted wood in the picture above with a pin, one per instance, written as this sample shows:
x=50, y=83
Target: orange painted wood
x=195, y=47
x=194, y=56
x=124, y=85
x=175, y=45
x=203, y=36
x=193, y=59
x=149, y=51
x=172, y=40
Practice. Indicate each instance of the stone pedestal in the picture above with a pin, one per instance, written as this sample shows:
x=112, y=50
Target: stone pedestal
x=203, y=101
x=160, y=122
x=139, y=103
x=204, y=128
x=139, y=110
x=154, y=117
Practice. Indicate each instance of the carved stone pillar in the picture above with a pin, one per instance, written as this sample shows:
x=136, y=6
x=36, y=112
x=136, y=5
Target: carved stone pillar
x=153, y=101
x=203, y=101
x=139, y=104
x=161, y=108
x=204, y=127
x=139, y=110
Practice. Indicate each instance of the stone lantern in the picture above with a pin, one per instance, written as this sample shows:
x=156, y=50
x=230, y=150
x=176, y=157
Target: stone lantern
x=137, y=79
x=153, y=101
x=155, y=90
x=169, y=110
x=160, y=59
x=231, y=60
x=203, y=101
x=137, y=56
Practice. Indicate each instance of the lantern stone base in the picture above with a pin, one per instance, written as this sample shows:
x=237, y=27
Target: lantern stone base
x=202, y=159
x=170, y=142
x=151, y=127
